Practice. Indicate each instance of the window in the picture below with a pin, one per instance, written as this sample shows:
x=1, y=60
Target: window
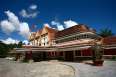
x=78, y=53
x=61, y=53
x=77, y=37
x=85, y=36
x=57, y=41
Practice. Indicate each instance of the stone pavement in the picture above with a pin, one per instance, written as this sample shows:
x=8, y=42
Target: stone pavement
x=56, y=69
x=87, y=70
x=35, y=69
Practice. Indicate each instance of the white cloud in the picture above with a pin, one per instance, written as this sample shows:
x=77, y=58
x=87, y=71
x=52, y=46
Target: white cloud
x=31, y=12
x=13, y=19
x=10, y=41
x=25, y=14
x=58, y=25
x=47, y=25
x=33, y=7
x=13, y=24
x=26, y=42
x=24, y=29
x=67, y=24
x=70, y=23
x=7, y=26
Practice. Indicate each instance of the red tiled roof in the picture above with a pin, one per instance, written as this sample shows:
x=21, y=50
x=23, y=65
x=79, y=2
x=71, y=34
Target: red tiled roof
x=109, y=40
x=39, y=32
x=51, y=30
x=73, y=29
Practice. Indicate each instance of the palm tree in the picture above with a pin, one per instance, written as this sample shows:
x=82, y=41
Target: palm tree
x=106, y=32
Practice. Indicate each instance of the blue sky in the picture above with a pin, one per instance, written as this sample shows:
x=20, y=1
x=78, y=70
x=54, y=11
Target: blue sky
x=97, y=14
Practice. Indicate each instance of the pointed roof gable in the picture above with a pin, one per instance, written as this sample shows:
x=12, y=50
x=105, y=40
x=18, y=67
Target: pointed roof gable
x=32, y=35
x=38, y=33
x=47, y=29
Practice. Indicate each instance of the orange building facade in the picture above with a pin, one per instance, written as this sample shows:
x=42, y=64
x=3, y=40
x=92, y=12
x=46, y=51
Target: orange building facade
x=70, y=44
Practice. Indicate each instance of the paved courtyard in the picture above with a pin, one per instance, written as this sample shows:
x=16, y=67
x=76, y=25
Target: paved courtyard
x=87, y=70
x=56, y=69
x=36, y=69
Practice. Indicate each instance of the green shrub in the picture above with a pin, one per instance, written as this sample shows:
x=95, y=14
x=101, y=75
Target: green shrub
x=114, y=57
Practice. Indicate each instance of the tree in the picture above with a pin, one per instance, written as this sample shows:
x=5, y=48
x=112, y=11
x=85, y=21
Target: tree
x=106, y=32
x=3, y=50
x=97, y=54
x=19, y=45
x=6, y=48
x=97, y=51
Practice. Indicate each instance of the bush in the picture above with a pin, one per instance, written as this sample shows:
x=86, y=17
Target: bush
x=3, y=50
x=114, y=57
x=60, y=58
x=97, y=52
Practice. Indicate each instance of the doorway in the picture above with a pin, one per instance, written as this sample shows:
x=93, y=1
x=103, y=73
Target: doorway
x=69, y=56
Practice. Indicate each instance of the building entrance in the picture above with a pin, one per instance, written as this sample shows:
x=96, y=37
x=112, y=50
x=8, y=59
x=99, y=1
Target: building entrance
x=69, y=56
